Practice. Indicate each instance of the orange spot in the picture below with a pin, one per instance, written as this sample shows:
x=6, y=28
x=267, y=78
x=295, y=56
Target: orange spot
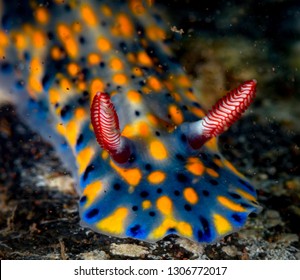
x=153, y=120
x=156, y=177
x=154, y=83
x=144, y=59
x=134, y=96
x=39, y=39
x=20, y=41
x=42, y=15
x=65, y=84
x=195, y=166
x=146, y=204
x=246, y=195
x=35, y=66
x=35, y=84
x=116, y=64
x=137, y=71
x=155, y=33
x=66, y=37
x=131, y=175
x=176, y=114
x=103, y=44
x=184, y=229
x=123, y=26
x=84, y=157
x=189, y=94
x=232, y=168
x=120, y=79
x=230, y=204
x=106, y=10
x=3, y=39
x=164, y=205
x=218, y=162
x=212, y=144
x=94, y=58
x=143, y=129
x=197, y=112
x=60, y=128
x=73, y=69
x=80, y=114
x=212, y=172
x=137, y=7
x=96, y=85
x=183, y=81
x=54, y=96
x=56, y=53
x=72, y=129
x=128, y=131
x=92, y=191
x=158, y=150
x=88, y=15
x=190, y=195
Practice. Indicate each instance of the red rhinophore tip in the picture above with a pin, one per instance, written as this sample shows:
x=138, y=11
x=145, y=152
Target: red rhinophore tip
x=228, y=109
x=105, y=122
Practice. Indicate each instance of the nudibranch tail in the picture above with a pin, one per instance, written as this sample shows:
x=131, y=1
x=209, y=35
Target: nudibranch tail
x=105, y=122
x=223, y=114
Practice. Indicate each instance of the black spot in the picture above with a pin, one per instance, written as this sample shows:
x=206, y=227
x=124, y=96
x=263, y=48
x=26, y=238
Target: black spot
x=185, y=108
x=148, y=167
x=92, y=213
x=137, y=113
x=214, y=182
x=140, y=30
x=67, y=8
x=56, y=105
x=234, y=195
x=159, y=190
x=237, y=218
x=117, y=186
x=82, y=40
x=134, y=208
x=132, y=158
x=180, y=157
x=196, y=104
x=26, y=55
x=246, y=205
x=157, y=133
x=6, y=67
x=217, y=156
x=45, y=80
x=206, y=228
x=205, y=193
x=171, y=230
x=123, y=47
x=247, y=185
x=83, y=199
x=187, y=207
x=168, y=95
x=142, y=83
x=50, y=35
x=152, y=213
x=135, y=230
x=89, y=169
x=132, y=77
x=181, y=178
x=183, y=138
x=85, y=93
x=102, y=64
x=177, y=193
x=20, y=84
x=144, y=194
x=79, y=139
x=65, y=110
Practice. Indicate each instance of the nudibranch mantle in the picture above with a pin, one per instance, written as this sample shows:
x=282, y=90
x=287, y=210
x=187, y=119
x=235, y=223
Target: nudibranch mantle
x=157, y=169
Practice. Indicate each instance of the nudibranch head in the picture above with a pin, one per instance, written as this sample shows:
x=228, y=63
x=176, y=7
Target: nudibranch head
x=171, y=180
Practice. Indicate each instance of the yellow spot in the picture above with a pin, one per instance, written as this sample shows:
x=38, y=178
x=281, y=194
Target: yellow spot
x=84, y=157
x=190, y=195
x=76, y=27
x=143, y=129
x=131, y=175
x=3, y=39
x=42, y=15
x=60, y=128
x=54, y=96
x=128, y=131
x=35, y=66
x=230, y=204
x=195, y=166
x=115, y=222
x=212, y=172
x=212, y=144
x=116, y=64
x=176, y=114
x=218, y=162
x=96, y=85
x=144, y=59
x=73, y=69
x=155, y=33
x=134, y=96
x=137, y=7
x=154, y=83
x=80, y=114
x=94, y=59
x=191, y=96
x=158, y=150
x=104, y=154
x=120, y=79
x=184, y=229
x=65, y=84
x=164, y=205
x=35, y=84
x=66, y=37
x=146, y=204
x=222, y=224
x=20, y=41
x=153, y=120
x=106, y=10
x=161, y=230
x=183, y=81
x=156, y=177
x=103, y=44
x=72, y=132
x=246, y=195
x=91, y=191
x=88, y=15
x=232, y=168
x=176, y=96
x=137, y=71
x=123, y=26
x=39, y=39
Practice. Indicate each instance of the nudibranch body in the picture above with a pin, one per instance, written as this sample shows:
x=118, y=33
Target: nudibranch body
x=86, y=73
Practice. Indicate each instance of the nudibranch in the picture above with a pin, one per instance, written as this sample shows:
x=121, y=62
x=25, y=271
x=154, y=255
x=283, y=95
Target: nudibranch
x=100, y=81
